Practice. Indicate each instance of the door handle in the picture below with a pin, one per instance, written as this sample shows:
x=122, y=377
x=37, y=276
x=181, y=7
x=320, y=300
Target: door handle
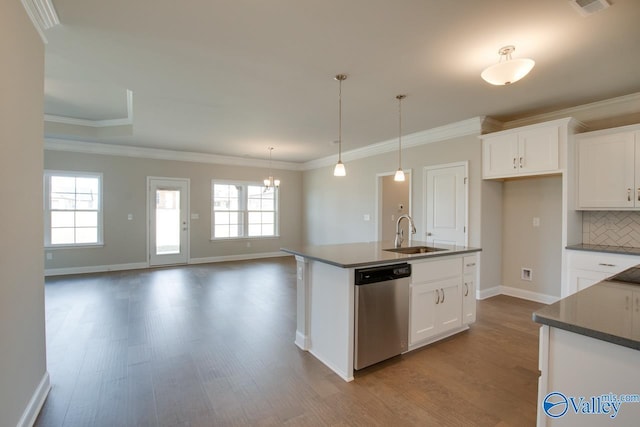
x=429, y=233
x=628, y=194
x=438, y=294
x=521, y=162
x=466, y=289
x=514, y=163
x=442, y=294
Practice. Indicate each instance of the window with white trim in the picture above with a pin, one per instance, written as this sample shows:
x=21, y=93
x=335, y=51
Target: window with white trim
x=243, y=210
x=73, y=208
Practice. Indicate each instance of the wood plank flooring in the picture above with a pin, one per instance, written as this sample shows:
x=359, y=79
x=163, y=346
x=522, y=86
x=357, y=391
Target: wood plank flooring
x=212, y=345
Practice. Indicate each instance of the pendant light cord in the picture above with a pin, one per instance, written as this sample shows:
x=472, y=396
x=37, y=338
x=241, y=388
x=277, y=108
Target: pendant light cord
x=400, y=131
x=340, y=120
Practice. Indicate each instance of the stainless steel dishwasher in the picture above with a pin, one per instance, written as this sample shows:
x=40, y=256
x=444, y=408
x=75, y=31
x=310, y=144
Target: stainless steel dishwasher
x=382, y=313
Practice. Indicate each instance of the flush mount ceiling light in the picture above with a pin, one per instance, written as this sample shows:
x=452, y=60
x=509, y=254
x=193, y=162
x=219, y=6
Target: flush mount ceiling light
x=339, y=170
x=399, y=176
x=271, y=182
x=507, y=70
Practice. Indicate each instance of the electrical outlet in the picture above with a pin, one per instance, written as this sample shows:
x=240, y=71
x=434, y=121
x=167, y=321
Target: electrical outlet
x=526, y=274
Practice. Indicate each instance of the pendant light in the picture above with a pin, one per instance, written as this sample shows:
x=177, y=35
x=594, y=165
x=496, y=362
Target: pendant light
x=271, y=182
x=399, y=176
x=339, y=170
x=507, y=70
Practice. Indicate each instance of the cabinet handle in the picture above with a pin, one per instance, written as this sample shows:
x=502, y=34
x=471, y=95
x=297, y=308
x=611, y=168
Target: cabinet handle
x=628, y=194
x=604, y=264
x=637, y=304
x=438, y=294
x=514, y=163
x=520, y=162
x=466, y=289
x=442, y=295
x=639, y=194
x=473, y=264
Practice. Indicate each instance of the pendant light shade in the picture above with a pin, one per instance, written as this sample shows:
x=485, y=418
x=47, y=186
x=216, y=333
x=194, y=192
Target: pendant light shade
x=339, y=170
x=507, y=70
x=399, y=176
x=271, y=182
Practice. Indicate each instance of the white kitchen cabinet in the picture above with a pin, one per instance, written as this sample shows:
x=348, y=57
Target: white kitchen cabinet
x=527, y=151
x=470, y=271
x=435, y=308
x=587, y=268
x=609, y=170
x=436, y=299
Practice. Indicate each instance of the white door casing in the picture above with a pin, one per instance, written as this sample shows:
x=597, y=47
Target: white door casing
x=446, y=200
x=168, y=221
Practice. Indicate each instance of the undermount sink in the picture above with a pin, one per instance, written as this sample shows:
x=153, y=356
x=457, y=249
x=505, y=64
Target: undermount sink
x=415, y=250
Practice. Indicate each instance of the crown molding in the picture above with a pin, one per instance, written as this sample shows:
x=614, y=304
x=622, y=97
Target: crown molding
x=55, y=144
x=467, y=127
x=96, y=123
x=42, y=14
x=582, y=112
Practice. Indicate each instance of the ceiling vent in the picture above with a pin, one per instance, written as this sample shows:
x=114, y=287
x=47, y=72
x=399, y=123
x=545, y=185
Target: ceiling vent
x=589, y=7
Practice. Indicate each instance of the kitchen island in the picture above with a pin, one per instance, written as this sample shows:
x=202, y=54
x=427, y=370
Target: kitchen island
x=326, y=295
x=589, y=356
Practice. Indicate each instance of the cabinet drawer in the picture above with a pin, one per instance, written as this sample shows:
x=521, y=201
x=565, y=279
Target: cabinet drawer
x=602, y=262
x=470, y=264
x=428, y=271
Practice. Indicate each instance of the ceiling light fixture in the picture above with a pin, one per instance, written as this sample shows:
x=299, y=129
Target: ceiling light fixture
x=271, y=182
x=339, y=170
x=399, y=176
x=507, y=70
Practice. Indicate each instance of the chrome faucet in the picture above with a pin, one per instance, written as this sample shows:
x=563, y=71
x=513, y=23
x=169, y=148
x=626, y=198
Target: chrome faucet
x=399, y=231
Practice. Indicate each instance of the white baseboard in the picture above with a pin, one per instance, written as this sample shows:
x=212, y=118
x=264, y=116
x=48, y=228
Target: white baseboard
x=517, y=293
x=242, y=257
x=302, y=341
x=528, y=295
x=34, y=406
x=488, y=293
x=95, y=269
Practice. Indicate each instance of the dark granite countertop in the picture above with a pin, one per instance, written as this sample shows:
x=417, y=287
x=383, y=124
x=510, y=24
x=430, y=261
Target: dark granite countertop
x=351, y=255
x=624, y=250
x=605, y=311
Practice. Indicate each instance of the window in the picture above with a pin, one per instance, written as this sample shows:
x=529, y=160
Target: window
x=73, y=208
x=243, y=210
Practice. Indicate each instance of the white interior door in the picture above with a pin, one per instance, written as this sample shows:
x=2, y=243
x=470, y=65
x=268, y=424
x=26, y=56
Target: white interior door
x=168, y=221
x=446, y=204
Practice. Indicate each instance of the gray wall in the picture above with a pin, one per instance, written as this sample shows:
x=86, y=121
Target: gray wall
x=394, y=194
x=124, y=192
x=22, y=330
x=538, y=248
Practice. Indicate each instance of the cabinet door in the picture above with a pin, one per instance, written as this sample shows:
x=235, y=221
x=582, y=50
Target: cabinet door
x=449, y=308
x=499, y=156
x=606, y=167
x=422, y=319
x=538, y=150
x=468, y=300
x=582, y=279
x=635, y=325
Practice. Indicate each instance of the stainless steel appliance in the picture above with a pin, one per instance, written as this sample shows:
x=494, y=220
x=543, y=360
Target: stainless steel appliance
x=382, y=313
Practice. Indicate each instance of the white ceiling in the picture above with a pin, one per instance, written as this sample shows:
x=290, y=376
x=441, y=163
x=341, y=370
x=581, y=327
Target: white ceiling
x=234, y=77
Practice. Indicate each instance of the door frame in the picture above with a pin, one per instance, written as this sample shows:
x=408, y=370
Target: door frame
x=148, y=222
x=378, y=223
x=425, y=170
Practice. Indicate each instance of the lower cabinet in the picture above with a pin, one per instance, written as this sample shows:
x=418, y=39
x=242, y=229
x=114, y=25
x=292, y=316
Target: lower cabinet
x=435, y=308
x=442, y=297
x=587, y=268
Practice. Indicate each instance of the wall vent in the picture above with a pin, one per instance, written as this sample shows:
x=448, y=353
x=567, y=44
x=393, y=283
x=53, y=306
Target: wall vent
x=589, y=7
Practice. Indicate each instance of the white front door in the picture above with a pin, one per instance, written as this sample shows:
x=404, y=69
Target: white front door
x=168, y=221
x=446, y=204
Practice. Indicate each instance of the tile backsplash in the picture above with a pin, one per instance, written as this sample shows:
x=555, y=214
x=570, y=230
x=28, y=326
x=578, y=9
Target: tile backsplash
x=613, y=228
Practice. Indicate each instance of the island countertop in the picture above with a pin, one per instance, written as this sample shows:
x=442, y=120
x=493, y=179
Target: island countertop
x=606, y=311
x=349, y=255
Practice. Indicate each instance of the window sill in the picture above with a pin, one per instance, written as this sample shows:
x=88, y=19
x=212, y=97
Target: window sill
x=81, y=246
x=240, y=239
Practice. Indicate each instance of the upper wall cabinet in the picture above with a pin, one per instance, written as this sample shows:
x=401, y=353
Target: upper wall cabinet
x=609, y=169
x=526, y=151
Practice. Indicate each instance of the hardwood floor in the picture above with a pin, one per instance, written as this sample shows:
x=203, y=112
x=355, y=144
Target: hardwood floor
x=212, y=345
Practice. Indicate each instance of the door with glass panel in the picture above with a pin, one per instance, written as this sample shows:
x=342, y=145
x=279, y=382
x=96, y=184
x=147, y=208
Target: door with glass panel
x=168, y=221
